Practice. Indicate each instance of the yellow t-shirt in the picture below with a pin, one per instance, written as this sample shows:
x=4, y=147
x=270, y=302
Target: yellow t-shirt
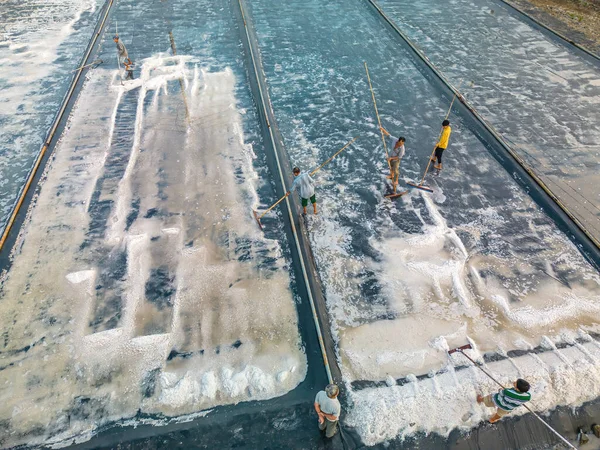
x=443, y=143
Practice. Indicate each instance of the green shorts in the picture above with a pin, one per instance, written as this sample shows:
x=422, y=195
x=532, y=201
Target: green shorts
x=313, y=199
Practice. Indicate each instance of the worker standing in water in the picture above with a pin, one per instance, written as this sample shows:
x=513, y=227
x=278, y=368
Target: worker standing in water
x=306, y=185
x=442, y=144
x=121, y=50
x=123, y=57
x=395, y=158
x=506, y=399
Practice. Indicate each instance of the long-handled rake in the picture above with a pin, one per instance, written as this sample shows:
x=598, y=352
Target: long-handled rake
x=468, y=347
x=387, y=154
x=258, y=217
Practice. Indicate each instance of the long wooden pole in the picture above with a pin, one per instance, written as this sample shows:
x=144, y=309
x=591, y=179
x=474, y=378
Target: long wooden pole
x=377, y=114
x=331, y=158
x=98, y=61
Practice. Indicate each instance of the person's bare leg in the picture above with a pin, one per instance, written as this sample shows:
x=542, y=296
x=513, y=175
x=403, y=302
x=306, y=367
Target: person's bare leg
x=315, y=207
x=495, y=418
x=479, y=398
x=304, y=209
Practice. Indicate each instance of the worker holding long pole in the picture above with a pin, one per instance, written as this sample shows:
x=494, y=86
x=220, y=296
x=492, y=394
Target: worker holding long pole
x=123, y=58
x=442, y=144
x=305, y=184
x=395, y=158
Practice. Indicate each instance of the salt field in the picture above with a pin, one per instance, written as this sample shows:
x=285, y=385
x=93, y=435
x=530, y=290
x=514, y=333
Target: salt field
x=542, y=97
x=142, y=306
x=41, y=44
x=141, y=282
x=476, y=260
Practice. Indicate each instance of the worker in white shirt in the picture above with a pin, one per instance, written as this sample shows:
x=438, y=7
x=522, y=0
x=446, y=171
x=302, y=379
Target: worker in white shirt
x=305, y=184
x=395, y=157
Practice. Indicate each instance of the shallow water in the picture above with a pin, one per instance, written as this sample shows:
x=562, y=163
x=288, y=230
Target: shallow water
x=141, y=283
x=41, y=43
x=539, y=94
x=404, y=281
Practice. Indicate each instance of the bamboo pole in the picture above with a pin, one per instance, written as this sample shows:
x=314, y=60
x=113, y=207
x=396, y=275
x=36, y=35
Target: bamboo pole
x=185, y=103
x=377, y=114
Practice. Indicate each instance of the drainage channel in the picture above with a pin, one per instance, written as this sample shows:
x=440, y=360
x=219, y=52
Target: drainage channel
x=19, y=211
x=505, y=154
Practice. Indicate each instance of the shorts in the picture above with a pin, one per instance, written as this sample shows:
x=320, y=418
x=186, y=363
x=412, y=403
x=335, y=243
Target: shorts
x=395, y=166
x=438, y=154
x=313, y=199
x=487, y=401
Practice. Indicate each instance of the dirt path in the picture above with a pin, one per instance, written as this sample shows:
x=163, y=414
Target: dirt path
x=579, y=20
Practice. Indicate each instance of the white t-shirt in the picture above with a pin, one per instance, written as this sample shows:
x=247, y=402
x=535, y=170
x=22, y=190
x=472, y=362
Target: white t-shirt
x=305, y=184
x=399, y=151
x=328, y=405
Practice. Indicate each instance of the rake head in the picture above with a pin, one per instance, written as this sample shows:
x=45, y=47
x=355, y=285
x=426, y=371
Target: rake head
x=460, y=349
x=422, y=187
x=257, y=219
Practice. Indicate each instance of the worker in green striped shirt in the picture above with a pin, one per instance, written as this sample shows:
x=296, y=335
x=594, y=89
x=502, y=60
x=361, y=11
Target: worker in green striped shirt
x=506, y=399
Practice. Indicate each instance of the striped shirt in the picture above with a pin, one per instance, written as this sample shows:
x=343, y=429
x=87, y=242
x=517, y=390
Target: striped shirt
x=509, y=399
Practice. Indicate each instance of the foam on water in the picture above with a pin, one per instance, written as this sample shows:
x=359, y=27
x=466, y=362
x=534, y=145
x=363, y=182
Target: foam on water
x=559, y=377
x=476, y=261
x=539, y=94
x=40, y=45
x=183, y=304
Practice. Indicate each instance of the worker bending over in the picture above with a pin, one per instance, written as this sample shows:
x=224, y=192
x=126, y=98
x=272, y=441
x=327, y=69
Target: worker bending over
x=305, y=184
x=442, y=144
x=505, y=400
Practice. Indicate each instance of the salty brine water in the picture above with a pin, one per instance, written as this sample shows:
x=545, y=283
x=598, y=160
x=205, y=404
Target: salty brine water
x=476, y=260
x=41, y=44
x=541, y=95
x=141, y=284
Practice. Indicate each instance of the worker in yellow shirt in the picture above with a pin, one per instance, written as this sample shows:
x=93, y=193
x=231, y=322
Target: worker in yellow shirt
x=442, y=144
